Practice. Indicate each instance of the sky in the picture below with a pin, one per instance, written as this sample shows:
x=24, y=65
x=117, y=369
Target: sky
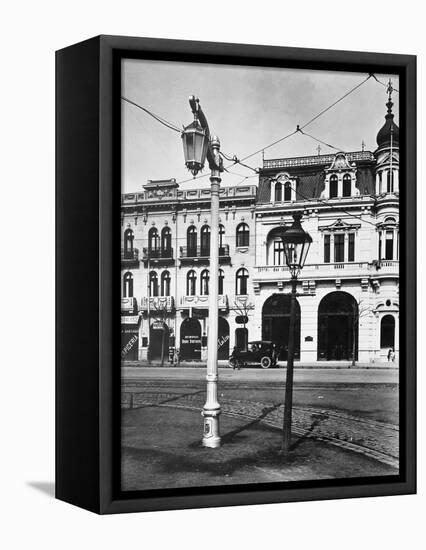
x=248, y=108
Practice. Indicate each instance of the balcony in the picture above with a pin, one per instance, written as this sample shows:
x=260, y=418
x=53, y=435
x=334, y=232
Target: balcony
x=128, y=305
x=202, y=302
x=157, y=303
x=157, y=256
x=129, y=257
x=202, y=255
x=341, y=270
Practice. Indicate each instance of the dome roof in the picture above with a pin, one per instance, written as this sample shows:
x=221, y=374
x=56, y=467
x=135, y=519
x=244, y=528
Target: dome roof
x=388, y=130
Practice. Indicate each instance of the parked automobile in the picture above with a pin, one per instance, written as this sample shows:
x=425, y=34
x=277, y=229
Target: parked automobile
x=260, y=352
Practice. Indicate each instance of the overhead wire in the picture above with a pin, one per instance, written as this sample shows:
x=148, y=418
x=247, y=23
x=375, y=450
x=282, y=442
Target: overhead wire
x=299, y=129
x=161, y=120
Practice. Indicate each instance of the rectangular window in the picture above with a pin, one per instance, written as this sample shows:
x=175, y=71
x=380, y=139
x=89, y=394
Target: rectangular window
x=339, y=248
x=389, y=245
x=351, y=247
x=380, y=245
x=279, y=258
x=327, y=249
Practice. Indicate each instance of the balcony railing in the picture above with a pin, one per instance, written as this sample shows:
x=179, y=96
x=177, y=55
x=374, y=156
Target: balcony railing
x=202, y=302
x=129, y=256
x=203, y=253
x=128, y=305
x=157, y=254
x=157, y=303
x=265, y=273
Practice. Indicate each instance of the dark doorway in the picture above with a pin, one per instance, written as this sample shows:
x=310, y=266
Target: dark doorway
x=387, y=332
x=190, y=340
x=223, y=339
x=241, y=339
x=158, y=341
x=129, y=344
x=276, y=324
x=337, y=327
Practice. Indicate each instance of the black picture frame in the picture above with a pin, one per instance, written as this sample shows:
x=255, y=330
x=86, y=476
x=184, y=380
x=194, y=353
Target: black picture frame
x=87, y=273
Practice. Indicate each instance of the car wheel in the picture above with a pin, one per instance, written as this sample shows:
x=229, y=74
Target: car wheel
x=265, y=362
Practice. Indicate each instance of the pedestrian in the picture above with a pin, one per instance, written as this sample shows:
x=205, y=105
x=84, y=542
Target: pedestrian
x=389, y=355
x=392, y=356
x=176, y=357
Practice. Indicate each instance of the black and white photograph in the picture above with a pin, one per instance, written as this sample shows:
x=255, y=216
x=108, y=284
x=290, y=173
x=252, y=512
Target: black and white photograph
x=259, y=281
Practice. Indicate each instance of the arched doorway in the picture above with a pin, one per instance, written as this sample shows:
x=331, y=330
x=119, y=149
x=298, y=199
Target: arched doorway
x=223, y=339
x=190, y=340
x=276, y=323
x=387, y=332
x=337, y=327
x=158, y=341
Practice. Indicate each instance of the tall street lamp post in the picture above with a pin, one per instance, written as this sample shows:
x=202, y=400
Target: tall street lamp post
x=197, y=145
x=296, y=244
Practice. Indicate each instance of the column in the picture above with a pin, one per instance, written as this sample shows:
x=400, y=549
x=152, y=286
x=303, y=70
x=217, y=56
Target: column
x=396, y=180
x=340, y=185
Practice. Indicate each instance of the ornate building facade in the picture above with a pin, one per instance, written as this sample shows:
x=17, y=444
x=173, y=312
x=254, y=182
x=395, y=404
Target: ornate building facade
x=348, y=299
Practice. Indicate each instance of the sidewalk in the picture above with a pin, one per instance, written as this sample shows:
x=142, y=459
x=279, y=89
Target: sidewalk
x=161, y=448
x=281, y=365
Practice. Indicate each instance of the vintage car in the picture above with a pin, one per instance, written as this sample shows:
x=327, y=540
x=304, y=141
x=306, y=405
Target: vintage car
x=260, y=352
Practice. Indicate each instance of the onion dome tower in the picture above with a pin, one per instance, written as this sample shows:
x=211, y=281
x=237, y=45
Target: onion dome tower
x=387, y=152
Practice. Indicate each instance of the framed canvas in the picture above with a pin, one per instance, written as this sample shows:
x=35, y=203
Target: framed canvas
x=236, y=289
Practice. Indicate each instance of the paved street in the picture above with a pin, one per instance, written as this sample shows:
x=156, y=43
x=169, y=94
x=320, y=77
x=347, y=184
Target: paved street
x=353, y=411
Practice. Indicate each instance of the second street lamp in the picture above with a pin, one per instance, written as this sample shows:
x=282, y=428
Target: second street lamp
x=296, y=244
x=197, y=145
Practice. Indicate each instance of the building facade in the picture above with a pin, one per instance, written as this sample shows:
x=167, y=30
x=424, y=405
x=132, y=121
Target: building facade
x=348, y=292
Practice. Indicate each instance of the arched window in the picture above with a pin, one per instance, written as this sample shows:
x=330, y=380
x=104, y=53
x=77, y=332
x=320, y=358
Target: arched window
x=389, y=181
x=241, y=280
x=165, y=283
x=287, y=191
x=333, y=186
x=204, y=282
x=278, y=191
x=387, y=332
x=153, y=242
x=221, y=278
x=347, y=185
x=128, y=285
x=243, y=235
x=128, y=244
x=153, y=284
x=191, y=281
x=205, y=241
x=191, y=240
x=166, y=242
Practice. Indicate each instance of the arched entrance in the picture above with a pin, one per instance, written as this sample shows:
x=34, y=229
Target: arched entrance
x=190, y=340
x=337, y=327
x=223, y=339
x=387, y=332
x=158, y=341
x=276, y=323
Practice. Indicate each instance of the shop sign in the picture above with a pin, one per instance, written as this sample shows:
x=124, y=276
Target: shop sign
x=129, y=319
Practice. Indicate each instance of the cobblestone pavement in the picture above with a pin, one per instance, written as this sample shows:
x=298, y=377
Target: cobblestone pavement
x=377, y=440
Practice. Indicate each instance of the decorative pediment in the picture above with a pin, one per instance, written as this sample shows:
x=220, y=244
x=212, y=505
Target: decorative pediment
x=340, y=225
x=340, y=163
x=282, y=177
x=385, y=158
